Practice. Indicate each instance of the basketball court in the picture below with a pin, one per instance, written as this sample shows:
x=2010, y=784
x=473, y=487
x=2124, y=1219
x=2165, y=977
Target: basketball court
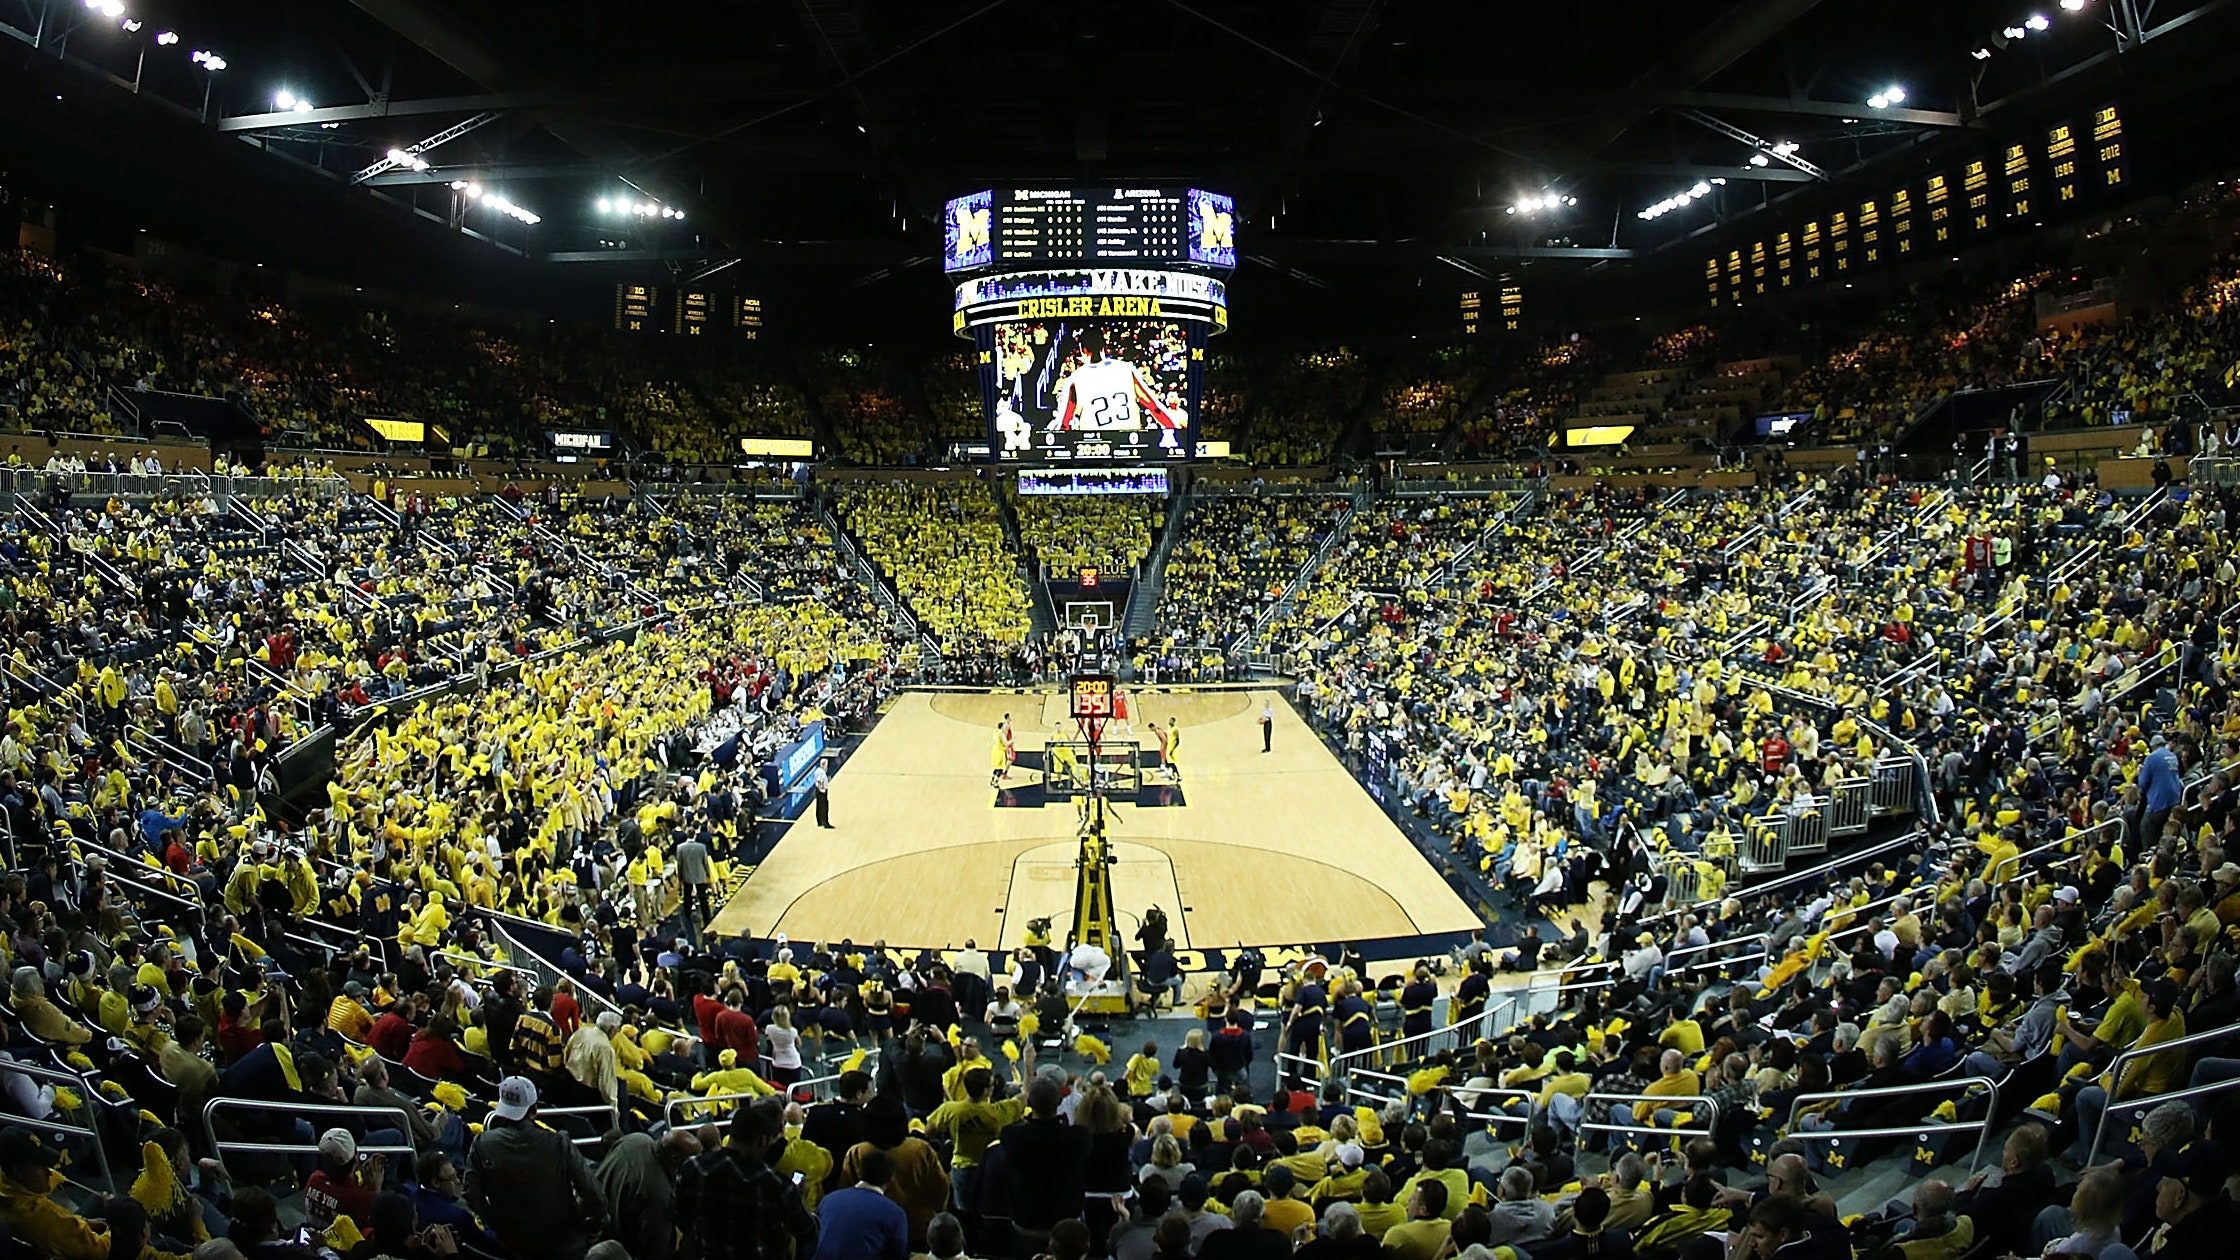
x=1263, y=849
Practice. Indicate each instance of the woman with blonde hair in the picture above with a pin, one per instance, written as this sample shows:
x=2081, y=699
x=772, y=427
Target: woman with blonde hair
x=1193, y=1065
x=785, y=1047
x=1166, y=1163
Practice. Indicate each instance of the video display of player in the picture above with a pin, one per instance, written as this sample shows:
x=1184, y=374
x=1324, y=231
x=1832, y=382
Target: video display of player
x=1091, y=389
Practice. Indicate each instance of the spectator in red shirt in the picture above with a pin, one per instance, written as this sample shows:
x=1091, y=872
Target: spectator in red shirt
x=704, y=1012
x=1774, y=751
x=735, y=1030
x=341, y=1186
x=238, y=1031
x=392, y=1033
x=567, y=1013
x=434, y=1052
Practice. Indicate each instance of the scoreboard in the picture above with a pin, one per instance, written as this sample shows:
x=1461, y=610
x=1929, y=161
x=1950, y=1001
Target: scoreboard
x=1042, y=226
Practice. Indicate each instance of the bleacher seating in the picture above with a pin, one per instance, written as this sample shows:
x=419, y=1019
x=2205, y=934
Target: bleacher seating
x=1853, y=798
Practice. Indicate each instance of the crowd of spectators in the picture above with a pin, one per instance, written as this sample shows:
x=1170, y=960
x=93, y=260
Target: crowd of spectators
x=1111, y=534
x=942, y=546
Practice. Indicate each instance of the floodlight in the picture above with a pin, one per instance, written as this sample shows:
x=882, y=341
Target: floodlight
x=2037, y=21
x=167, y=38
x=283, y=100
x=1760, y=159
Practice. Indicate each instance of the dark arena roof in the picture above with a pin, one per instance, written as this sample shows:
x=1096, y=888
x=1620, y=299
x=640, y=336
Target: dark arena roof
x=806, y=148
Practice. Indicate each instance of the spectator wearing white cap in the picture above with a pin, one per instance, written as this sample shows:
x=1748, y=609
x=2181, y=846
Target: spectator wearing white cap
x=529, y=1185
x=2225, y=885
x=343, y=1185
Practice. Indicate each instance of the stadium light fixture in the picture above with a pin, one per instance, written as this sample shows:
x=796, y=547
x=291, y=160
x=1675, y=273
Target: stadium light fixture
x=476, y=192
x=1981, y=54
x=283, y=100
x=1760, y=159
x=1887, y=97
x=107, y=8
x=167, y=38
x=208, y=60
x=2037, y=22
x=2073, y=6
x=1533, y=205
x=410, y=161
x=132, y=25
x=1700, y=189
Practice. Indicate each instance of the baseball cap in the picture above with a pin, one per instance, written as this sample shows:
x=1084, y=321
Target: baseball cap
x=2228, y=873
x=1349, y=1154
x=517, y=1096
x=337, y=1146
x=2203, y=1168
x=19, y=1147
x=2067, y=895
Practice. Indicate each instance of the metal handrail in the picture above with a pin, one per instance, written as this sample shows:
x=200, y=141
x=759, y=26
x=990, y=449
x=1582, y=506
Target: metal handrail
x=1964, y=1083
x=82, y=1082
x=2081, y=843
x=1757, y=939
x=1492, y=1118
x=608, y=1109
x=1866, y=910
x=480, y=963
x=1811, y=874
x=1319, y=1076
x=147, y=740
x=210, y=1129
x=2099, y=1132
x=2120, y=1062
x=1759, y=953
x=674, y=1111
x=1695, y=1103
x=1343, y=1062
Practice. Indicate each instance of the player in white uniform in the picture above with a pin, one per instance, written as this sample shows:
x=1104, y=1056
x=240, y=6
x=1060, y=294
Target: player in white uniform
x=1109, y=394
x=1011, y=429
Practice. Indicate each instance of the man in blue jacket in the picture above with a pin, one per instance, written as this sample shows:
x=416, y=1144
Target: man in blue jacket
x=2162, y=788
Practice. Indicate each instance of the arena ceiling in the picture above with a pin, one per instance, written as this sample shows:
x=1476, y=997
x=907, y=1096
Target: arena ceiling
x=819, y=138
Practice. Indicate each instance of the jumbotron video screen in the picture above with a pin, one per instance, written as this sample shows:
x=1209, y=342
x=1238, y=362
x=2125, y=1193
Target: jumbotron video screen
x=1091, y=389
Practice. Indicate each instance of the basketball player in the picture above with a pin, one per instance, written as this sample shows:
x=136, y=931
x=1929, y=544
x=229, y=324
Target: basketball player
x=999, y=754
x=1157, y=740
x=1108, y=394
x=1062, y=762
x=1170, y=747
x=1012, y=429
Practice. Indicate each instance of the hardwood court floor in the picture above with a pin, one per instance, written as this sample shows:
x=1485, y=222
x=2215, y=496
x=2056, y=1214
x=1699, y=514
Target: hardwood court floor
x=1269, y=849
